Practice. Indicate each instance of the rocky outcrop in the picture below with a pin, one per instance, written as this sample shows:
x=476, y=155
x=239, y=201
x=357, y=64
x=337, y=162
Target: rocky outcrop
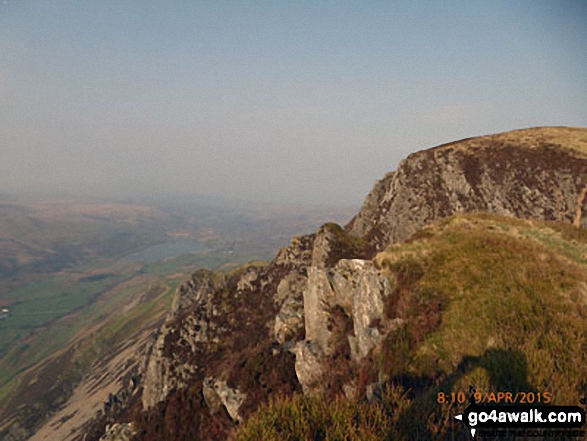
x=309, y=368
x=119, y=432
x=358, y=288
x=289, y=322
x=215, y=317
x=536, y=173
x=366, y=289
x=169, y=369
x=218, y=395
x=194, y=291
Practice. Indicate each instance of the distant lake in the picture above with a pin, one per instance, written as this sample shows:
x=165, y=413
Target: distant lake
x=171, y=248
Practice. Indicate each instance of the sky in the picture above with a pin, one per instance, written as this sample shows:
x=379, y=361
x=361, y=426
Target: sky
x=291, y=102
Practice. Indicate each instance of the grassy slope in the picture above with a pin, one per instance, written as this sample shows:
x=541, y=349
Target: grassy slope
x=109, y=311
x=60, y=354
x=495, y=302
x=39, y=240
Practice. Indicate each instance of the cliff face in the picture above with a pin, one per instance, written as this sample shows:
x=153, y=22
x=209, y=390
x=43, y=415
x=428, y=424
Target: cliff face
x=535, y=173
x=308, y=319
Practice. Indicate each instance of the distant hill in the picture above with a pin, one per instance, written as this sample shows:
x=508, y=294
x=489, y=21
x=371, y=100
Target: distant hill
x=48, y=236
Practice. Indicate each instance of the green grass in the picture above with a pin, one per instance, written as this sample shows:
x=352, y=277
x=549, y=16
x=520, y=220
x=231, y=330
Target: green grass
x=509, y=285
x=316, y=418
x=115, y=321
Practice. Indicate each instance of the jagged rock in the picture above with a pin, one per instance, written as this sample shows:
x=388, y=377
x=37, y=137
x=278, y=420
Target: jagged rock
x=360, y=290
x=298, y=254
x=364, y=220
x=119, y=432
x=231, y=398
x=289, y=322
x=331, y=243
x=369, y=290
x=156, y=387
x=318, y=298
x=290, y=319
x=533, y=173
x=194, y=291
x=246, y=281
x=211, y=397
x=308, y=366
x=323, y=245
x=290, y=287
x=166, y=372
x=217, y=394
x=357, y=287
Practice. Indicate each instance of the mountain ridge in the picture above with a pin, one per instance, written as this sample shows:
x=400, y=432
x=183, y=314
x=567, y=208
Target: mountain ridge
x=488, y=173
x=315, y=318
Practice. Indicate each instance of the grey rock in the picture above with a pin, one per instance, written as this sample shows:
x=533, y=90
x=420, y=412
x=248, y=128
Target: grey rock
x=246, y=281
x=211, y=397
x=290, y=287
x=360, y=290
x=318, y=299
x=194, y=291
x=290, y=318
x=308, y=366
x=527, y=173
x=297, y=254
x=369, y=290
x=166, y=373
x=217, y=394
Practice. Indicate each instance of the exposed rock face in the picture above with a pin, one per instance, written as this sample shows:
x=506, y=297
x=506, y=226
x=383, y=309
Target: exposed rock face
x=218, y=394
x=216, y=318
x=119, y=432
x=194, y=292
x=167, y=369
x=308, y=365
x=289, y=321
x=536, y=173
x=357, y=287
x=367, y=290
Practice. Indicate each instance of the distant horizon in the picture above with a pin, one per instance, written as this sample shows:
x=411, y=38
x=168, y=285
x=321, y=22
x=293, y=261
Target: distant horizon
x=302, y=103
x=39, y=195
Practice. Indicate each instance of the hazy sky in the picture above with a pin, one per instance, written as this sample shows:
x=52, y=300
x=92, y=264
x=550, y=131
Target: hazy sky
x=286, y=101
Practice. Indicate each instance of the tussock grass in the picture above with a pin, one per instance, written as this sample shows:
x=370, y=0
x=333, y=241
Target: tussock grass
x=509, y=285
x=311, y=418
